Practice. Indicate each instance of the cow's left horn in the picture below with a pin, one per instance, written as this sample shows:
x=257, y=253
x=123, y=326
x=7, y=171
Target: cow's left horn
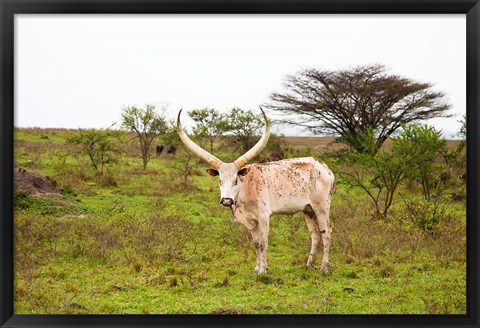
x=197, y=150
x=255, y=150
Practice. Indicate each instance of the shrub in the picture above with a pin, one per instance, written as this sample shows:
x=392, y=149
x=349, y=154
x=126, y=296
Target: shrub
x=424, y=214
x=419, y=145
x=379, y=176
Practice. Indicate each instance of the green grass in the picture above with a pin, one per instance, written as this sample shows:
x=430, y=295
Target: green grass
x=149, y=242
x=31, y=136
x=106, y=288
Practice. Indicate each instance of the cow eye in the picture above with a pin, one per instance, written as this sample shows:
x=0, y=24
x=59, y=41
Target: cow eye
x=235, y=182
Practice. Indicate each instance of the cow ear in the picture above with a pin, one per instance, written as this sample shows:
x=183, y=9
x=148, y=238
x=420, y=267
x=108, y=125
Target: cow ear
x=243, y=171
x=212, y=172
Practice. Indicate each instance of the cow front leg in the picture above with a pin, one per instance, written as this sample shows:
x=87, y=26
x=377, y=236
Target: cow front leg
x=261, y=266
x=260, y=240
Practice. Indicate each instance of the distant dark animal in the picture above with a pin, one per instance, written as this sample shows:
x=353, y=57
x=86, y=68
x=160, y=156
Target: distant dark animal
x=275, y=156
x=159, y=149
x=457, y=197
x=442, y=179
x=171, y=150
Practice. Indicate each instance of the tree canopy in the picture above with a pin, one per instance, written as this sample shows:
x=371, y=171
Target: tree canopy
x=245, y=125
x=99, y=145
x=209, y=124
x=146, y=123
x=364, y=102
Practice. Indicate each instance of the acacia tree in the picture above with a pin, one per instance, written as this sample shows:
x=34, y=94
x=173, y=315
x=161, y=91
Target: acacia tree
x=355, y=104
x=147, y=124
x=244, y=125
x=98, y=145
x=208, y=124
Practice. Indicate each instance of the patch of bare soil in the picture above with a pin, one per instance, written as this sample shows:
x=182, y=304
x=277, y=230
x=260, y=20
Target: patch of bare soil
x=32, y=183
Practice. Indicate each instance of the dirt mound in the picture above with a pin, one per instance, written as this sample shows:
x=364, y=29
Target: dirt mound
x=32, y=183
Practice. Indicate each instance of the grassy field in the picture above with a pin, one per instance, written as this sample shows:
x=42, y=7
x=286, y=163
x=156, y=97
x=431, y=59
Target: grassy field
x=140, y=241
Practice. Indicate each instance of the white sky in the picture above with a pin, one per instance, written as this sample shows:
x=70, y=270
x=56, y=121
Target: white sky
x=80, y=70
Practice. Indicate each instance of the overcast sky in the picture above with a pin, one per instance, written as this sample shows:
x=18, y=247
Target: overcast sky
x=76, y=71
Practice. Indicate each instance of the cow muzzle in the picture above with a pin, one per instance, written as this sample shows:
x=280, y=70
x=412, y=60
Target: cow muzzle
x=226, y=201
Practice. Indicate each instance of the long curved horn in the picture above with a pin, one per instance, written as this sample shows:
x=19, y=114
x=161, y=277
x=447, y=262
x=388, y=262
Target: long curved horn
x=197, y=150
x=255, y=150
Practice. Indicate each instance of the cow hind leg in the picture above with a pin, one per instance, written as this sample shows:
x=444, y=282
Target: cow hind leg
x=322, y=215
x=312, y=225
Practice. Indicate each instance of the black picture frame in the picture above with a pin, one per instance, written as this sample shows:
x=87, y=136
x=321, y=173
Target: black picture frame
x=8, y=9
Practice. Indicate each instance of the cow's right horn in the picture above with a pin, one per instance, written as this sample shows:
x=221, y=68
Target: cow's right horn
x=197, y=150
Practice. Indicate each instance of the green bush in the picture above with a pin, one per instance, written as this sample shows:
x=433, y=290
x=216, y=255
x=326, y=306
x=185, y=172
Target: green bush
x=424, y=214
x=378, y=176
x=419, y=146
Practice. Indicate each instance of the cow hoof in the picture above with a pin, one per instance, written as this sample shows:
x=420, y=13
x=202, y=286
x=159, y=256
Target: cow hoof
x=260, y=271
x=325, y=267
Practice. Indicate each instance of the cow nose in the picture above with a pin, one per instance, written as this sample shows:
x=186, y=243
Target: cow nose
x=226, y=201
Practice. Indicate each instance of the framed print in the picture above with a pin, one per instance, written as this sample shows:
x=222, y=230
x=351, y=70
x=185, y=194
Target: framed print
x=246, y=163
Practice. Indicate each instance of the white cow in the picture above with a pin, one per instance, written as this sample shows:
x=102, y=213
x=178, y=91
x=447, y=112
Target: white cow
x=254, y=192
